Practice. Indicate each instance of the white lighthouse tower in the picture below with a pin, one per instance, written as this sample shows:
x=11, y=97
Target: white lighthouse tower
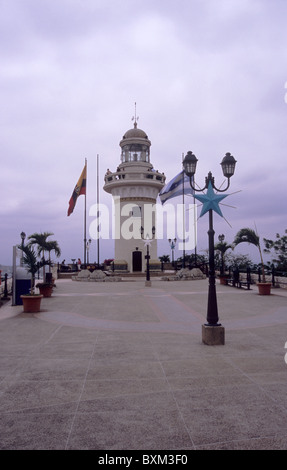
x=134, y=187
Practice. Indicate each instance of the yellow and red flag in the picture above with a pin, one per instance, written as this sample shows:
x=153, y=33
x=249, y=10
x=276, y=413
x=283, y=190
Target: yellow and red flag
x=80, y=188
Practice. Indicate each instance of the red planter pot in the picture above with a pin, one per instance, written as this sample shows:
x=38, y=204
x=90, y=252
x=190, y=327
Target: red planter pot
x=264, y=288
x=31, y=303
x=222, y=279
x=46, y=291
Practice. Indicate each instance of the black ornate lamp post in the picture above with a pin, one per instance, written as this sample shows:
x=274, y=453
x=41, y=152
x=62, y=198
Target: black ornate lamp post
x=23, y=236
x=210, y=202
x=147, y=257
x=221, y=240
x=88, y=249
x=172, y=244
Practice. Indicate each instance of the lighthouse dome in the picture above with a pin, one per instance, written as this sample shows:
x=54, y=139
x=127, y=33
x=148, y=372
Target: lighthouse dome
x=135, y=133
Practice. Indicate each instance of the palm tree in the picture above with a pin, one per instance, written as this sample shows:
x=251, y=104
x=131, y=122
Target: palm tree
x=40, y=239
x=222, y=247
x=52, y=246
x=31, y=263
x=250, y=236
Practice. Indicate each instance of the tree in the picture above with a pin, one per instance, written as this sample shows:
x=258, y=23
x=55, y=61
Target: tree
x=164, y=259
x=40, y=240
x=279, y=248
x=193, y=260
x=222, y=247
x=31, y=263
x=53, y=246
x=248, y=235
x=240, y=261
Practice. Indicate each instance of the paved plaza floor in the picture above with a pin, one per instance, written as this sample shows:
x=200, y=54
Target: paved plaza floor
x=121, y=366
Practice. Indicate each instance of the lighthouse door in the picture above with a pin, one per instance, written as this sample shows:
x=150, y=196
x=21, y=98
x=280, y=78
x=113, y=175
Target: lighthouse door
x=137, y=261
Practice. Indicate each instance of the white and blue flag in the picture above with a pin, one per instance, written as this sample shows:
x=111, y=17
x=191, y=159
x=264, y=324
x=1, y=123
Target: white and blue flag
x=178, y=186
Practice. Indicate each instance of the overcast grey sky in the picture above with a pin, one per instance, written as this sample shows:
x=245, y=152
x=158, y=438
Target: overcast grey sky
x=207, y=75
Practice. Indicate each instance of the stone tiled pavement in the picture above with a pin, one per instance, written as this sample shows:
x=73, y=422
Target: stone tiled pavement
x=122, y=366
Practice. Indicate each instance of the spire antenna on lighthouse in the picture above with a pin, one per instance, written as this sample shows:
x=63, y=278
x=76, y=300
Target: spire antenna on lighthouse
x=135, y=117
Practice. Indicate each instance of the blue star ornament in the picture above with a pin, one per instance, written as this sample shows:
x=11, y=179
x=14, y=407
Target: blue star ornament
x=210, y=201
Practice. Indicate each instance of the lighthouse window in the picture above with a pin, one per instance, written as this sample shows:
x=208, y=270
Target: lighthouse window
x=125, y=153
x=135, y=153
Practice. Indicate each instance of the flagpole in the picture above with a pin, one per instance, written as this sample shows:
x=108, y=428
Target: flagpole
x=183, y=217
x=98, y=239
x=194, y=232
x=85, y=218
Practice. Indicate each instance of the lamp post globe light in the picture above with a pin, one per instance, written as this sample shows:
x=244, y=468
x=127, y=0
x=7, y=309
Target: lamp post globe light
x=147, y=257
x=212, y=331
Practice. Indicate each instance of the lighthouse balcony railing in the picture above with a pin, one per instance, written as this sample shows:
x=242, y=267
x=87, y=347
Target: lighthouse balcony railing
x=121, y=175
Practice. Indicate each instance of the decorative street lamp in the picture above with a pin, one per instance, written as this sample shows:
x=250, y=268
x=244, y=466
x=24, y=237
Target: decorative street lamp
x=221, y=239
x=147, y=257
x=172, y=246
x=88, y=248
x=213, y=332
x=23, y=236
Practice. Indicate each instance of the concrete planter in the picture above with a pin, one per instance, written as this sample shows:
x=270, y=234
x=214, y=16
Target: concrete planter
x=31, y=303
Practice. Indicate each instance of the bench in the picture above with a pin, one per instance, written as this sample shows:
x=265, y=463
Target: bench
x=245, y=284
x=235, y=281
